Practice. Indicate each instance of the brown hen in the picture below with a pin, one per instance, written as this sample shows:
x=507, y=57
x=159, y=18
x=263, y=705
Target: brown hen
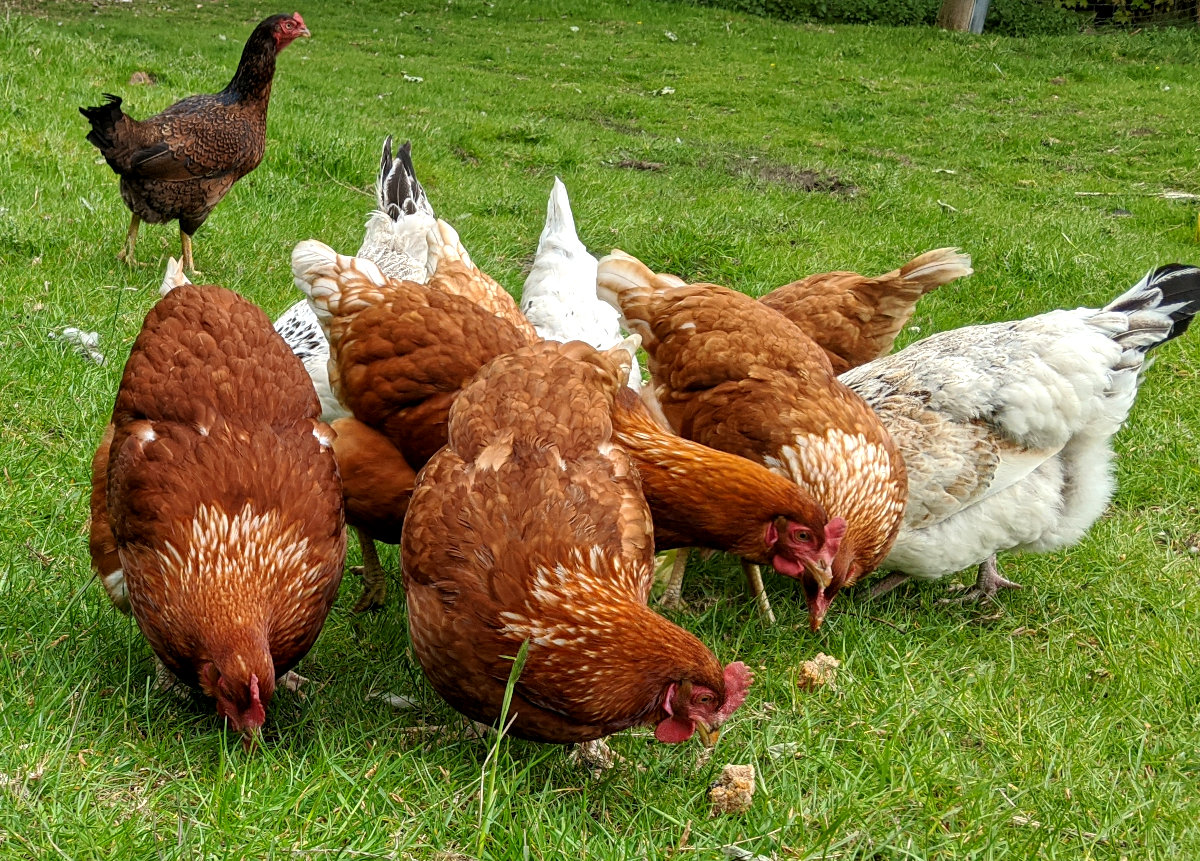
x=400, y=352
x=704, y=497
x=733, y=374
x=178, y=164
x=216, y=507
x=855, y=319
x=530, y=526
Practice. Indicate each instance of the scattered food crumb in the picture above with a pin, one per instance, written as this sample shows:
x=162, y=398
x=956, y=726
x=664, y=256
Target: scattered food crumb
x=665, y=91
x=144, y=78
x=671, y=36
x=734, y=792
x=737, y=853
x=819, y=672
x=412, y=79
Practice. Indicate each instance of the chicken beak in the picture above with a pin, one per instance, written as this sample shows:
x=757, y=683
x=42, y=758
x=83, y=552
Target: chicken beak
x=251, y=739
x=304, y=31
x=708, y=737
x=821, y=570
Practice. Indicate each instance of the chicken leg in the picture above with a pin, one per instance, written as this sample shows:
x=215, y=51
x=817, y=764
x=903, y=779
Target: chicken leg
x=374, y=578
x=887, y=584
x=125, y=255
x=755, y=581
x=671, y=598
x=988, y=582
x=185, y=244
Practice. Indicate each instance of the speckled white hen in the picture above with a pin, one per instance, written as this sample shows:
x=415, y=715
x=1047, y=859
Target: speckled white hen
x=1006, y=429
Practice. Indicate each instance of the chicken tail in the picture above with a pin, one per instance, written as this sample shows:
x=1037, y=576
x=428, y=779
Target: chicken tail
x=104, y=119
x=623, y=355
x=173, y=277
x=935, y=268
x=1159, y=307
x=560, y=223
x=398, y=191
x=627, y=284
x=396, y=238
x=336, y=285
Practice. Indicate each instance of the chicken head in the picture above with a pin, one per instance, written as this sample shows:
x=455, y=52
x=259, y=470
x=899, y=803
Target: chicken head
x=696, y=708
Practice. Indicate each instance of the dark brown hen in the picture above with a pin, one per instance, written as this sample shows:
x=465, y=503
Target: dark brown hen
x=178, y=164
x=530, y=526
x=216, y=506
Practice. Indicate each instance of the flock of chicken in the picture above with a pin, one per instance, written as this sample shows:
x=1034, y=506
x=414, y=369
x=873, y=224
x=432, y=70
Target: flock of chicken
x=528, y=472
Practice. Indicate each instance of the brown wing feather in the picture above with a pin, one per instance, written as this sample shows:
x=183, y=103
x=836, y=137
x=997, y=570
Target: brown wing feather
x=854, y=318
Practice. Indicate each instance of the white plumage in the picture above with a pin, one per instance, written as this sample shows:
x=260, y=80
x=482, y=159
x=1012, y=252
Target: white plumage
x=397, y=240
x=559, y=297
x=1006, y=429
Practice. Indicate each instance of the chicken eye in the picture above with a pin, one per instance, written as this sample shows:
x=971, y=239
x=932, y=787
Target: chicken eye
x=804, y=535
x=704, y=699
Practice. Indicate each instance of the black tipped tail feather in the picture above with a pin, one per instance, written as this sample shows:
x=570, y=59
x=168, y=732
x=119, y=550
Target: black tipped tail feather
x=104, y=119
x=399, y=191
x=1173, y=290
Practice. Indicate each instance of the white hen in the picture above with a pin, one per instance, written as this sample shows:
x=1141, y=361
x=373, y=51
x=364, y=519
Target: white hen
x=1006, y=429
x=559, y=297
x=396, y=241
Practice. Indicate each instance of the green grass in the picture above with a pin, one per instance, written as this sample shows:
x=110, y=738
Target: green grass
x=1064, y=726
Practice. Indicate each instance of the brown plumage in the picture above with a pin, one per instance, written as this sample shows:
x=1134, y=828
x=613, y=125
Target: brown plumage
x=219, y=489
x=704, y=497
x=531, y=526
x=855, y=319
x=400, y=352
x=178, y=164
x=452, y=271
x=733, y=374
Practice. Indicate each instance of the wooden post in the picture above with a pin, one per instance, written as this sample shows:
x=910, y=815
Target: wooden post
x=956, y=14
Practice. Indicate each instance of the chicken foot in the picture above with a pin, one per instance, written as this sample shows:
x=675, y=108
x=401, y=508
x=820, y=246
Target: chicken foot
x=671, y=598
x=988, y=582
x=374, y=578
x=125, y=255
x=755, y=581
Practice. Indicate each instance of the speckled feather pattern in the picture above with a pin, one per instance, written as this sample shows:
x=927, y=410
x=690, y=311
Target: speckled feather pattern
x=705, y=497
x=401, y=351
x=856, y=319
x=220, y=490
x=1007, y=428
x=531, y=525
x=178, y=164
x=733, y=374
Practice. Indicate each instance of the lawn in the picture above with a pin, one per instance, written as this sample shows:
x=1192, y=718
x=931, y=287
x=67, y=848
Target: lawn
x=1062, y=723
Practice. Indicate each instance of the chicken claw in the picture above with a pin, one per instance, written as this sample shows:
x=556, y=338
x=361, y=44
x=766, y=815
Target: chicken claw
x=374, y=579
x=671, y=598
x=988, y=582
x=887, y=584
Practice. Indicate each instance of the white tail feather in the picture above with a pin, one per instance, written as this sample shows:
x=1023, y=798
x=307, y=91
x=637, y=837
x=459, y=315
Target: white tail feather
x=173, y=278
